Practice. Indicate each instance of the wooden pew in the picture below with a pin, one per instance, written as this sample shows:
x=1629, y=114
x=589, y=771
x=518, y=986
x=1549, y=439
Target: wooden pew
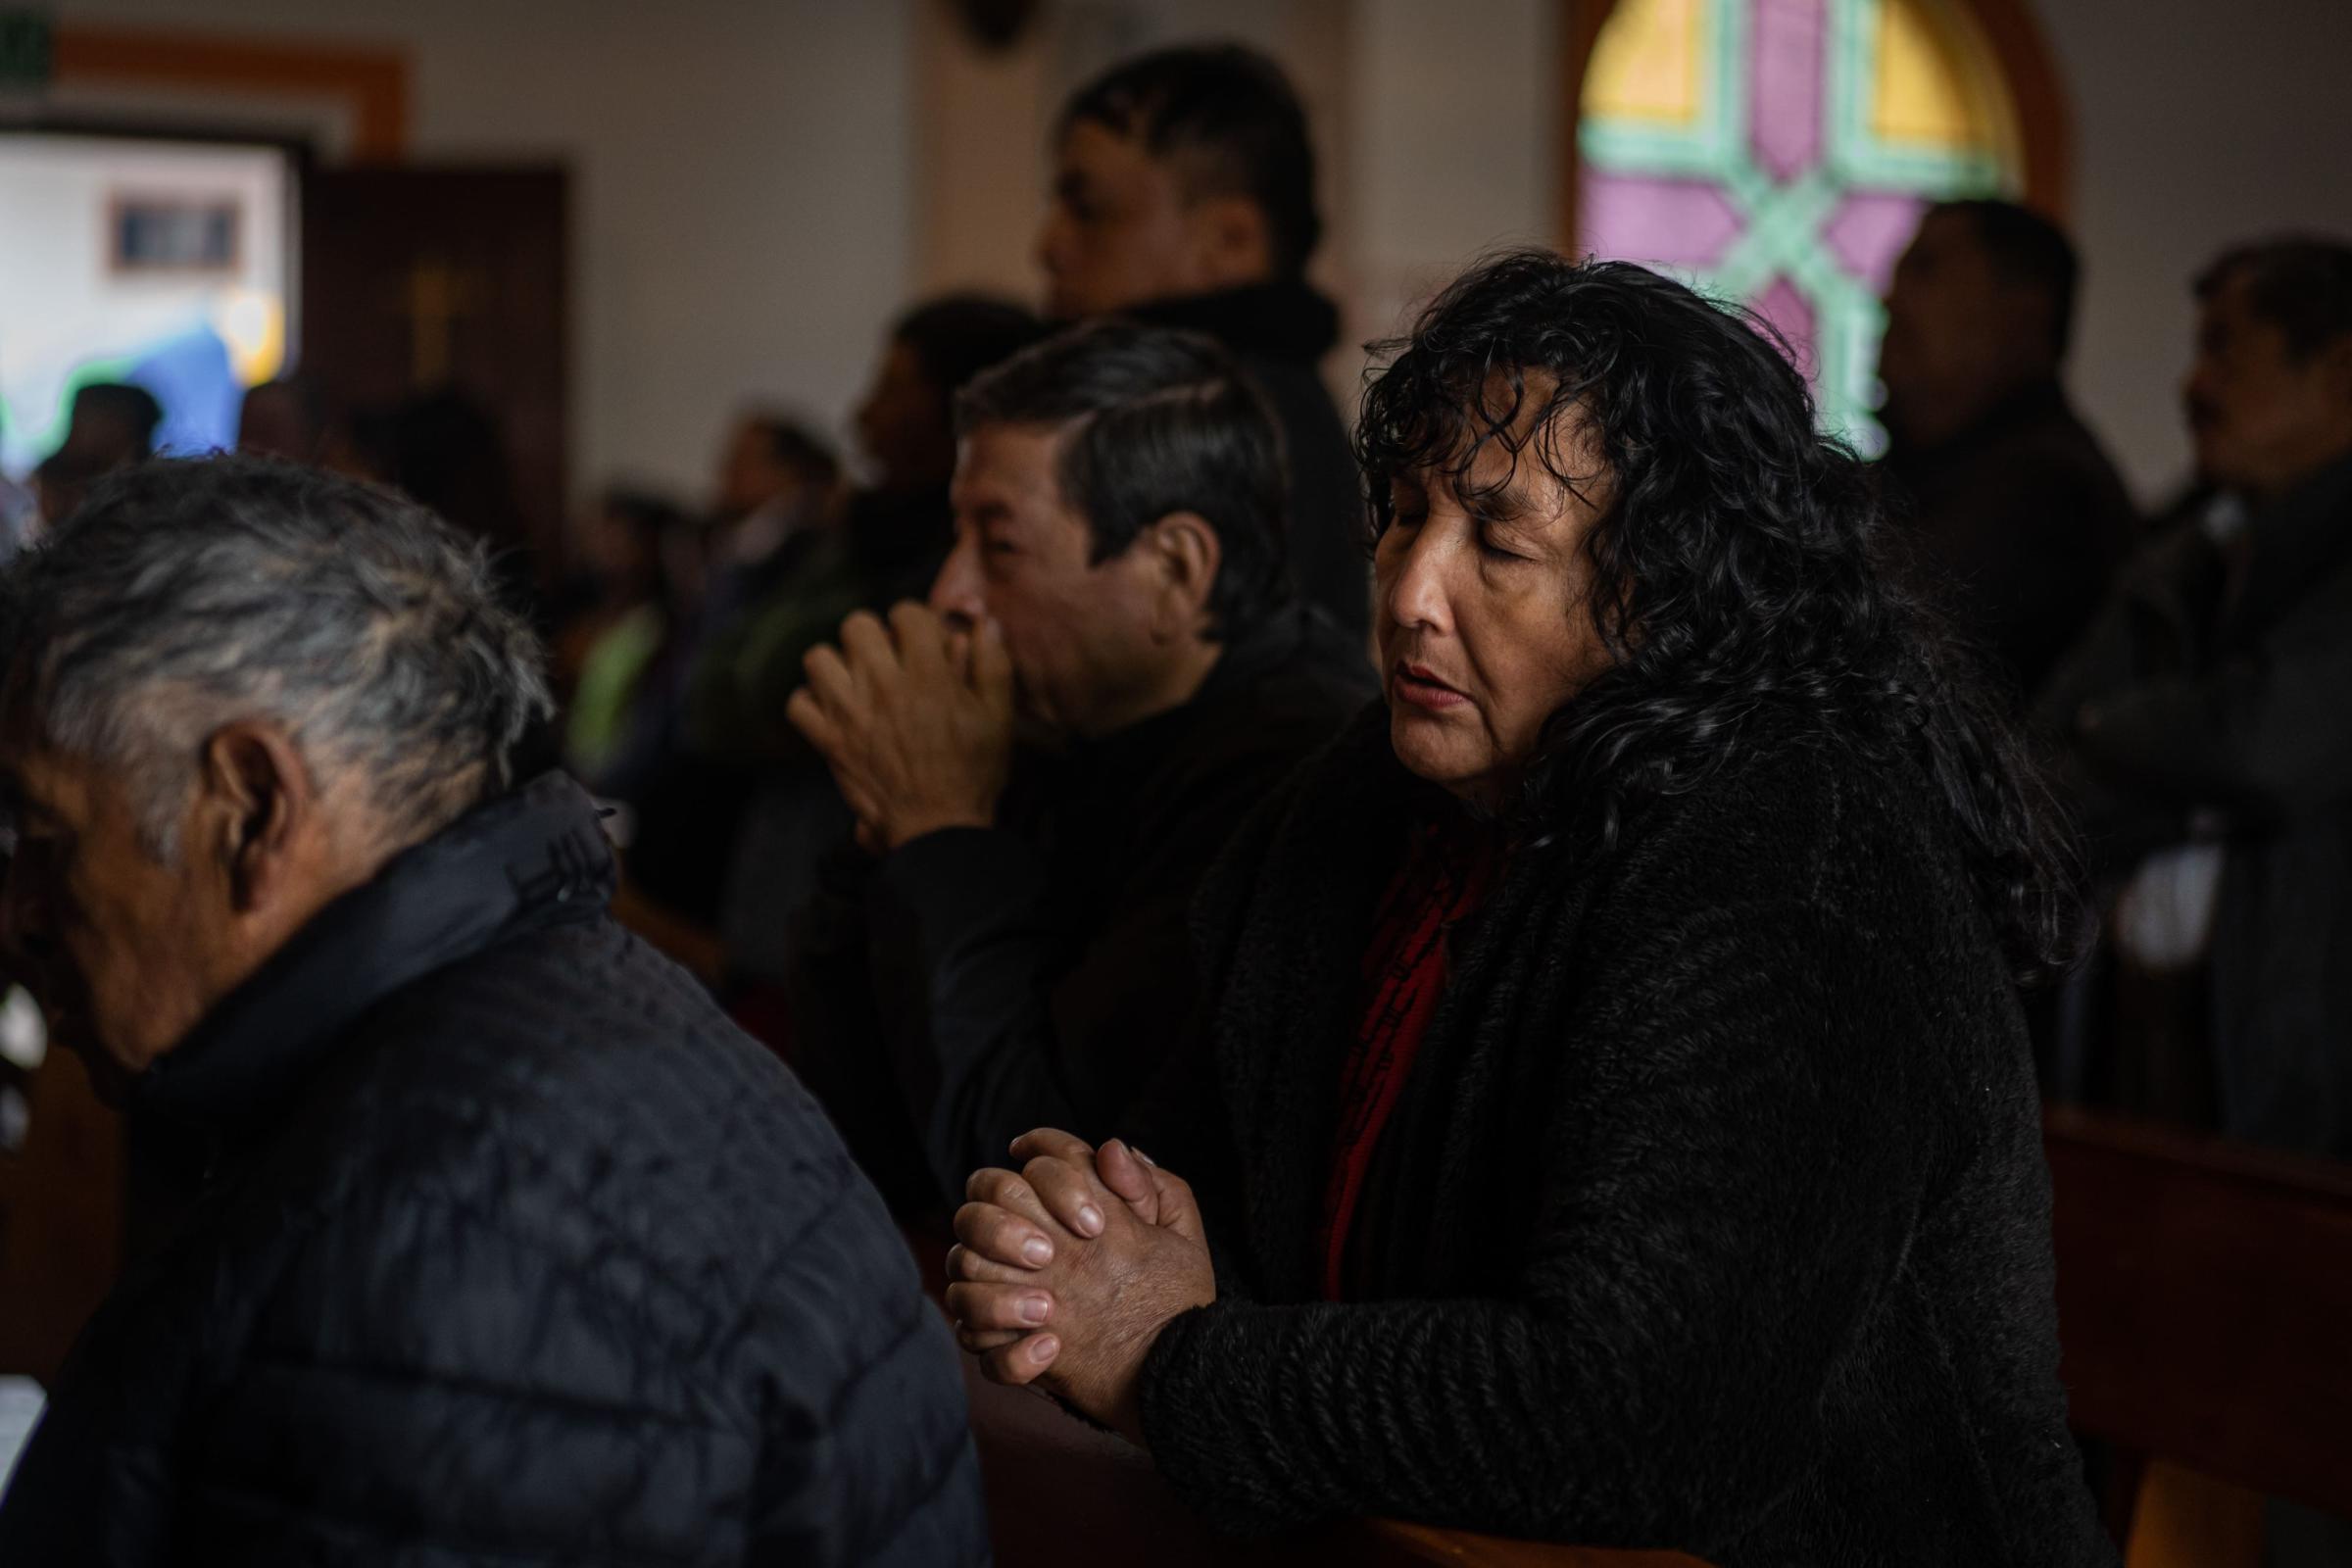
x=2205, y=1316
x=1061, y=1493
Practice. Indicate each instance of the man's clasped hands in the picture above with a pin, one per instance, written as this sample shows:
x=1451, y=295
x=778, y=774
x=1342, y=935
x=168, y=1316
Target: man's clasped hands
x=915, y=717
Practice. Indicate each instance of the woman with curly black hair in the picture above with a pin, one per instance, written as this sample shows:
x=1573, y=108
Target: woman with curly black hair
x=1616, y=1121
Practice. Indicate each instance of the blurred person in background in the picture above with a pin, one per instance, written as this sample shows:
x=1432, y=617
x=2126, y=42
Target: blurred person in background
x=111, y=425
x=446, y=451
x=2204, y=719
x=291, y=418
x=778, y=480
x=775, y=496
x=1184, y=195
x=20, y=510
x=885, y=544
x=501, y=1245
x=882, y=542
x=2018, y=517
x=618, y=664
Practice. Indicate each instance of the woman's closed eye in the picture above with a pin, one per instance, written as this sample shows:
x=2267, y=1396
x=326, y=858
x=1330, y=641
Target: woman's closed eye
x=1490, y=546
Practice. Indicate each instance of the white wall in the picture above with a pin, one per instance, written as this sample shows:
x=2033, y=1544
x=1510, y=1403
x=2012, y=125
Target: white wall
x=743, y=210
x=760, y=182
x=1457, y=144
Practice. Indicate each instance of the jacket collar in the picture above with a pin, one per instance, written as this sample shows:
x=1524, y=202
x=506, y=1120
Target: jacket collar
x=533, y=858
x=1285, y=319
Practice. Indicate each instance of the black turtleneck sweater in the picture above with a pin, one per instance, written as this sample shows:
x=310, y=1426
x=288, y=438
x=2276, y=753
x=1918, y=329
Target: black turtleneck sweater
x=979, y=981
x=1281, y=331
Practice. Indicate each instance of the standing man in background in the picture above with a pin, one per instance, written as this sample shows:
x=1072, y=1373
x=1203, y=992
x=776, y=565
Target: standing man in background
x=2203, y=717
x=1184, y=195
x=2019, y=517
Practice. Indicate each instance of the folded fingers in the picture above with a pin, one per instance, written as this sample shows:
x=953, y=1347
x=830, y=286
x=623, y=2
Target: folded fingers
x=1070, y=1193
x=1021, y=1362
x=1000, y=1234
x=977, y=1308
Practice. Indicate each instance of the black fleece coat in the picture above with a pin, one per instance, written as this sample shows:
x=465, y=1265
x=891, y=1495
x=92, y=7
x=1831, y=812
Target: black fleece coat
x=1713, y=1215
x=511, y=1250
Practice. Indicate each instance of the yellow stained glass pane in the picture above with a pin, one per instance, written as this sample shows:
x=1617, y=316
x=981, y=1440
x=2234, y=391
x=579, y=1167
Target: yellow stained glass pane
x=1647, y=64
x=1927, y=91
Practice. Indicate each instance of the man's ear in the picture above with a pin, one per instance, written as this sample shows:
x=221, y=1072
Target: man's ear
x=255, y=798
x=1233, y=239
x=1185, y=555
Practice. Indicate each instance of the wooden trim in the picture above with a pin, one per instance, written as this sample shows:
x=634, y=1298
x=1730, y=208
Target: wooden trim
x=2259, y=1172
x=1393, y=1544
x=2044, y=123
x=2201, y=1303
x=373, y=80
x=1580, y=21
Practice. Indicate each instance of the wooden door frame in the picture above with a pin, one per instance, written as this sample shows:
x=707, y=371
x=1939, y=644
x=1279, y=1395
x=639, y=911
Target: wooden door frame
x=370, y=82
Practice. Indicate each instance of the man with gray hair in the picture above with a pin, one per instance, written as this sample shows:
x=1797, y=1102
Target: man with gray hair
x=506, y=1245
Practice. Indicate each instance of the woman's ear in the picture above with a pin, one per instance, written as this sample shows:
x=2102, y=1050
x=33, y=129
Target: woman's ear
x=1186, y=554
x=254, y=801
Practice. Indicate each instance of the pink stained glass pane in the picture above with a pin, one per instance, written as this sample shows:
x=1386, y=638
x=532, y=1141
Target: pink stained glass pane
x=1678, y=222
x=1790, y=314
x=1786, y=40
x=1868, y=233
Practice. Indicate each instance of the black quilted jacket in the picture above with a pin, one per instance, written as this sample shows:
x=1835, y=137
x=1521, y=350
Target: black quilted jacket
x=512, y=1251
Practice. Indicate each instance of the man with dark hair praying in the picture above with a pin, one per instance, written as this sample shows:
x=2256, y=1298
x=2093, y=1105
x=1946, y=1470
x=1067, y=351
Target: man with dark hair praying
x=1184, y=195
x=2020, y=519
x=1016, y=953
x=503, y=1244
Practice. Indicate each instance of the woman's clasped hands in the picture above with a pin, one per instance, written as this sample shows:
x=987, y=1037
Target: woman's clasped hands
x=1065, y=1273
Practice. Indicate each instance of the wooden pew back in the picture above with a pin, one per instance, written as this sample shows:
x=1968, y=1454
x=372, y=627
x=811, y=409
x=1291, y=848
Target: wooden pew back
x=1061, y=1495
x=2205, y=1304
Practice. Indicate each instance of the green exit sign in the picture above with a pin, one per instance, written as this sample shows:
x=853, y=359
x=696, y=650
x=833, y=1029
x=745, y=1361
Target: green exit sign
x=25, y=49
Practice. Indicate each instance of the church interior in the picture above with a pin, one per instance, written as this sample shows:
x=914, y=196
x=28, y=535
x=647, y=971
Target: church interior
x=613, y=288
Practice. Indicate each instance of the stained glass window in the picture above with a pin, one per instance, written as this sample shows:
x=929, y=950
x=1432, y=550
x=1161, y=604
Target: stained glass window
x=1779, y=152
